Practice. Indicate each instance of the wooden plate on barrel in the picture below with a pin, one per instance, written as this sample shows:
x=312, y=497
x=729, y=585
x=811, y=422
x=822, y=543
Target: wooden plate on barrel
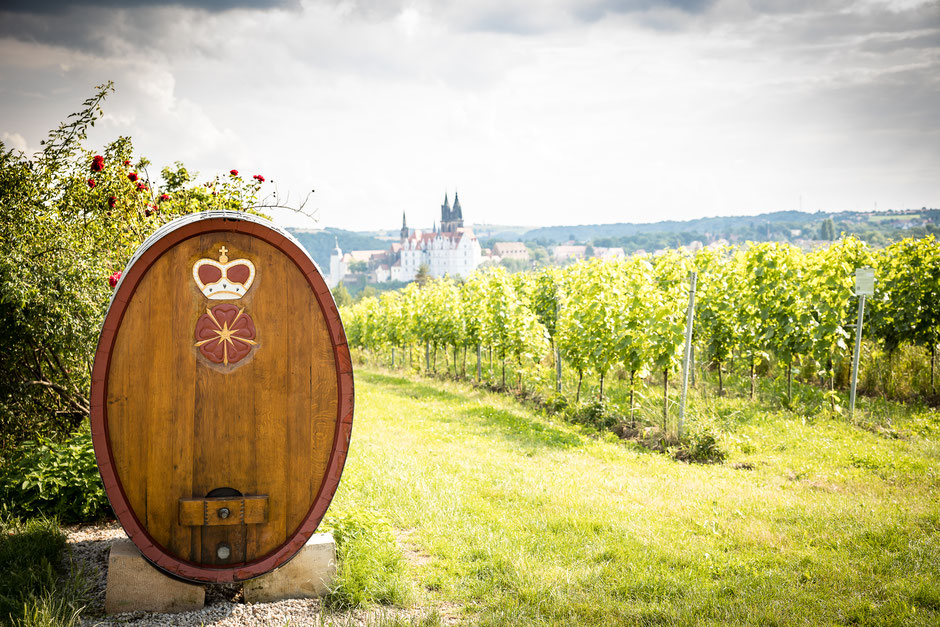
x=222, y=397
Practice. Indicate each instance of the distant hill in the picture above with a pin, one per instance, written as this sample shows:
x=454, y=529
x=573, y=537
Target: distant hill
x=715, y=225
x=320, y=243
x=499, y=232
x=878, y=228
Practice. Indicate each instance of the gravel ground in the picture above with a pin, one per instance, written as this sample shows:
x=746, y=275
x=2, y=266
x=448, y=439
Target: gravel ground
x=90, y=544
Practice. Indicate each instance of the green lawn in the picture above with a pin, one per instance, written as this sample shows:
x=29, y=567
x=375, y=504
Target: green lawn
x=508, y=517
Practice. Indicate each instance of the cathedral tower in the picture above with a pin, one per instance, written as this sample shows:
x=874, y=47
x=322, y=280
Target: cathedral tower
x=451, y=219
x=445, y=210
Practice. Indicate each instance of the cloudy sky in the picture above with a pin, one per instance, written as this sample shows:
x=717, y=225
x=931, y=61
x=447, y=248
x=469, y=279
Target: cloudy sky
x=538, y=112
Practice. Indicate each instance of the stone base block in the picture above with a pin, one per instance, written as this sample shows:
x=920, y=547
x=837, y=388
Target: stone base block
x=308, y=575
x=134, y=585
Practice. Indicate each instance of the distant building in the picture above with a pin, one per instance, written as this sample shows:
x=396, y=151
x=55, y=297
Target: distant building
x=341, y=265
x=451, y=249
x=337, y=267
x=451, y=219
x=615, y=252
x=511, y=250
x=564, y=252
x=365, y=256
x=380, y=274
x=487, y=256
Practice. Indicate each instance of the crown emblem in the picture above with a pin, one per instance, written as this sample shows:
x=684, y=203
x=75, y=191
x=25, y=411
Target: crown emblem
x=223, y=279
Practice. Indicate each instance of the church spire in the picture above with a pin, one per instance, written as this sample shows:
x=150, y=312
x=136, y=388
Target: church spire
x=451, y=219
x=457, y=213
x=445, y=210
x=404, y=226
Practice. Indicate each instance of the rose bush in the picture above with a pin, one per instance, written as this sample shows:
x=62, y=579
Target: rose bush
x=64, y=238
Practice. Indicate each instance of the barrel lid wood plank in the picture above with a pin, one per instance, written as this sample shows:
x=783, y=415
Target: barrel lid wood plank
x=222, y=397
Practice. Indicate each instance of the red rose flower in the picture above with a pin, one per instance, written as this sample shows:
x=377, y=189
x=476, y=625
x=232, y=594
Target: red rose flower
x=112, y=201
x=258, y=178
x=97, y=163
x=141, y=187
x=233, y=172
x=225, y=334
x=164, y=197
x=132, y=176
x=127, y=162
x=114, y=278
x=91, y=183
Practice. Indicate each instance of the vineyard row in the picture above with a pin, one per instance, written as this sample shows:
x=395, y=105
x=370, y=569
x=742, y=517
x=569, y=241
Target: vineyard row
x=766, y=303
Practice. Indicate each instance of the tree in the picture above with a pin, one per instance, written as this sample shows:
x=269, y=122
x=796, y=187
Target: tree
x=341, y=295
x=423, y=275
x=513, y=330
x=472, y=294
x=716, y=312
x=546, y=302
x=633, y=342
x=368, y=291
x=827, y=230
x=596, y=308
x=906, y=306
x=70, y=220
x=396, y=320
x=830, y=278
x=667, y=318
x=785, y=325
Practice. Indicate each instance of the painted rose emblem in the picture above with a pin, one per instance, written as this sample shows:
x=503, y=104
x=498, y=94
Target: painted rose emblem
x=225, y=334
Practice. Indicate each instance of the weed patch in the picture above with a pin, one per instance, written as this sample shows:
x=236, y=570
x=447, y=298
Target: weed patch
x=31, y=591
x=371, y=566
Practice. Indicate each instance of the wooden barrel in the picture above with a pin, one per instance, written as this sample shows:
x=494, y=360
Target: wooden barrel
x=222, y=398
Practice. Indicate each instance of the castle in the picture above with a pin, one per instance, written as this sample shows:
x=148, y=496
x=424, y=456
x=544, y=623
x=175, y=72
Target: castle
x=449, y=248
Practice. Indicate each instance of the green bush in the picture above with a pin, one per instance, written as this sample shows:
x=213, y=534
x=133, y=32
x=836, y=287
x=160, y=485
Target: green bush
x=595, y=413
x=53, y=479
x=371, y=567
x=556, y=403
x=700, y=443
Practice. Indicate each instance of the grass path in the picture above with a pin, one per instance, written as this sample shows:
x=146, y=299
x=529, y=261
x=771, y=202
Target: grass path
x=517, y=519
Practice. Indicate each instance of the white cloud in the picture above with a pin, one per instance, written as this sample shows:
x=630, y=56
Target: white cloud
x=538, y=113
x=15, y=141
x=409, y=21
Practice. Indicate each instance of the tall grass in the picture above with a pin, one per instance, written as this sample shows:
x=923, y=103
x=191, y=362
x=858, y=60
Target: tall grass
x=33, y=592
x=371, y=567
x=520, y=518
